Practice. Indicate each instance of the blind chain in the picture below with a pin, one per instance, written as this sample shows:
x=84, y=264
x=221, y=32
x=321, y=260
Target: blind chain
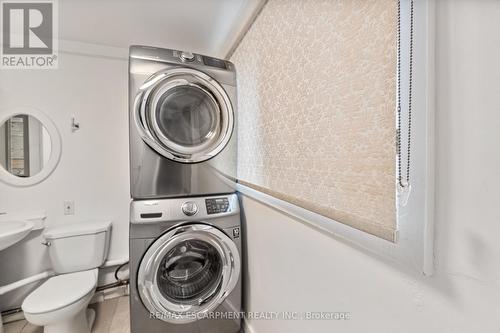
x=406, y=182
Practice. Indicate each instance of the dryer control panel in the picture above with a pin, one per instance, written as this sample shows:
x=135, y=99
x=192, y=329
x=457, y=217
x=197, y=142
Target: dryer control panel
x=217, y=205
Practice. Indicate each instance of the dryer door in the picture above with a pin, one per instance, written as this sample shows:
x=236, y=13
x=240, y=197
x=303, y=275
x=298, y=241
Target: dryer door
x=184, y=115
x=188, y=272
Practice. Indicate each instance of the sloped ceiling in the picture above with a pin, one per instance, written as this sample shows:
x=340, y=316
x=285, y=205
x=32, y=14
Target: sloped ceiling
x=204, y=26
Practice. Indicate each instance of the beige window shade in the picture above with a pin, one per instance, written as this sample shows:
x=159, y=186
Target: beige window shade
x=317, y=97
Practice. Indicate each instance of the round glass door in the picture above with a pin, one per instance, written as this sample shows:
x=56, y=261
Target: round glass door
x=187, y=116
x=188, y=272
x=184, y=115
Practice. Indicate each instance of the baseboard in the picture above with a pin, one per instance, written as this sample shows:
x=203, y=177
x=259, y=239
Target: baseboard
x=115, y=292
x=13, y=317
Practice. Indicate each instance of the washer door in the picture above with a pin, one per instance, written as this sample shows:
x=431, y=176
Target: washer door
x=184, y=115
x=187, y=273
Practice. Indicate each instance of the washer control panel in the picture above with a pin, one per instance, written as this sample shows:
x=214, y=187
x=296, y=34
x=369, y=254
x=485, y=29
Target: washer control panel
x=217, y=205
x=184, y=209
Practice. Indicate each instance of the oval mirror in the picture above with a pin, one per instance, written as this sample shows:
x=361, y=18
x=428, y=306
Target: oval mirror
x=29, y=147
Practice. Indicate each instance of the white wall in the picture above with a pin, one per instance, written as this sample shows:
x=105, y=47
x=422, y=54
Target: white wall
x=292, y=267
x=93, y=171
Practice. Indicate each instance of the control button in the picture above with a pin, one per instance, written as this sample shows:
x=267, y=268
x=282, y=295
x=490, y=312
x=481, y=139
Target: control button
x=189, y=208
x=186, y=56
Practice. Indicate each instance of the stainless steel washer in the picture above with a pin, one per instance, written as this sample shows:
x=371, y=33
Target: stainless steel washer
x=185, y=262
x=182, y=123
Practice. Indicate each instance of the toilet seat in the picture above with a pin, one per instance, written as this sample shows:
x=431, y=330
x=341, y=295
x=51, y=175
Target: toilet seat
x=60, y=291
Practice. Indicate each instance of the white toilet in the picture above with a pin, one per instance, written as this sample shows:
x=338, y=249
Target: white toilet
x=60, y=303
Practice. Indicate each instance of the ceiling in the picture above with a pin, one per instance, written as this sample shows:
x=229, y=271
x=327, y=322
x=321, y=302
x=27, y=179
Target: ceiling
x=209, y=27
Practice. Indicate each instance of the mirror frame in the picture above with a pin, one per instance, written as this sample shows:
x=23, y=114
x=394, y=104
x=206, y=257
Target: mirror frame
x=55, y=154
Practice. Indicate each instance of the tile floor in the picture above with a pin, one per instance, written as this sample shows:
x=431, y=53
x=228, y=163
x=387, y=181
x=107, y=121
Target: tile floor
x=112, y=316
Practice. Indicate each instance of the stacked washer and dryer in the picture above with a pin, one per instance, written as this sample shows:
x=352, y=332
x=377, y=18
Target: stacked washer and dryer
x=185, y=239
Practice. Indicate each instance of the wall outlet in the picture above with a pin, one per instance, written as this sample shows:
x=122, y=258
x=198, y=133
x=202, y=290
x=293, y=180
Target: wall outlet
x=69, y=208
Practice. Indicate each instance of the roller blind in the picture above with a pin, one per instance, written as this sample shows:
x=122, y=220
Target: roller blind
x=316, y=105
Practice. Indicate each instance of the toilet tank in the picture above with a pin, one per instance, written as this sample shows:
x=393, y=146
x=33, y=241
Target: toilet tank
x=79, y=246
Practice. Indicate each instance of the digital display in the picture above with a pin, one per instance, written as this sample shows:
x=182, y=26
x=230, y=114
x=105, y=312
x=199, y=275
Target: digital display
x=214, y=62
x=217, y=205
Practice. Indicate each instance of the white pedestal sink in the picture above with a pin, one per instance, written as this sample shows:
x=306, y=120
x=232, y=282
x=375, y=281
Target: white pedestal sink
x=12, y=232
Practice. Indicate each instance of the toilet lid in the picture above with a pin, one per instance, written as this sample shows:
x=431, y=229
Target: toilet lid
x=60, y=291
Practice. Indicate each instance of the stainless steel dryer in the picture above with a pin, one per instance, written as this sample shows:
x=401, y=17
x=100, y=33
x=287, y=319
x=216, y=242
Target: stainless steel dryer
x=185, y=265
x=182, y=123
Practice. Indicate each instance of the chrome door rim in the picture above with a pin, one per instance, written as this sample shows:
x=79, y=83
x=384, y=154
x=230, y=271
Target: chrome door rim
x=150, y=132
x=147, y=285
